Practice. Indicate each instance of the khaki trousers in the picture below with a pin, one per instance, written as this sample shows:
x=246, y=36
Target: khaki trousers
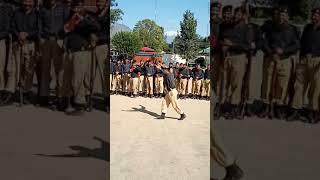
x=134, y=85
x=171, y=98
x=149, y=85
x=189, y=88
x=159, y=84
x=206, y=88
x=3, y=59
x=178, y=85
x=21, y=67
x=307, y=82
x=236, y=68
x=126, y=83
x=276, y=77
x=81, y=75
x=220, y=77
x=183, y=86
x=141, y=84
x=99, y=58
x=197, y=90
x=255, y=77
x=51, y=67
x=116, y=82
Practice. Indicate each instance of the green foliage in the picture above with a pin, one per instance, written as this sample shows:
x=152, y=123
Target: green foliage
x=115, y=13
x=186, y=43
x=127, y=43
x=151, y=34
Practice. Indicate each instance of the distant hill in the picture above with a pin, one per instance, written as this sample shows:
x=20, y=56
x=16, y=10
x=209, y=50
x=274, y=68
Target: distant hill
x=118, y=28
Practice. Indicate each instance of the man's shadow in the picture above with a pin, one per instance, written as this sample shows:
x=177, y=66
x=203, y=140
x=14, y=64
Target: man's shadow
x=102, y=153
x=144, y=110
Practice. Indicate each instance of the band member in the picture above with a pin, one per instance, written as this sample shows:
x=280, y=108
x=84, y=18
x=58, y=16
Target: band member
x=54, y=16
x=21, y=67
x=81, y=27
x=171, y=97
x=5, y=42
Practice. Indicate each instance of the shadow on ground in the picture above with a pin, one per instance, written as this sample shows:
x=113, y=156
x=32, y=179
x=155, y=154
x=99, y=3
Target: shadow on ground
x=101, y=153
x=145, y=111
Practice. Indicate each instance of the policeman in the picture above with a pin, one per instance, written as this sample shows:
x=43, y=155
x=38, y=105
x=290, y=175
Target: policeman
x=190, y=83
x=198, y=78
x=149, y=73
x=126, y=77
x=176, y=71
x=5, y=42
x=184, y=75
x=116, y=81
x=236, y=43
x=141, y=83
x=206, y=84
x=282, y=44
x=158, y=78
x=21, y=68
x=79, y=47
x=54, y=16
x=307, y=73
x=135, y=70
x=171, y=97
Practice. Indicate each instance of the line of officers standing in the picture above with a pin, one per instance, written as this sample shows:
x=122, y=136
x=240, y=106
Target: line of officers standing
x=144, y=79
x=288, y=64
x=62, y=43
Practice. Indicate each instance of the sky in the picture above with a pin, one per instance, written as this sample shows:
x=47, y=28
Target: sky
x=169, y=13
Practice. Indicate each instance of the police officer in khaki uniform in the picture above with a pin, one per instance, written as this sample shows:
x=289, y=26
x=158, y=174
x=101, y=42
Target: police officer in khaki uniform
x=116, y=81
x=190, y=83
x=184, y=75
x=21, y=67
x=206, y=84
x=5, y=42
x=126, y=77
x=158, y=81
x=149, y=73
x=308, y=72
x=79, y=47
x=135, y=70
x=236, y=43
x=141, y=83
x=282, y=44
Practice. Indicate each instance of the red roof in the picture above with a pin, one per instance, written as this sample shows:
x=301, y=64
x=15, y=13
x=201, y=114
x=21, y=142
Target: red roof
x=146, y=49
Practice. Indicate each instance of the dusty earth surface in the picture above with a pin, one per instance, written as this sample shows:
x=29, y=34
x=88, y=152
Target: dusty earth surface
x=38, y=143
x=143, y=147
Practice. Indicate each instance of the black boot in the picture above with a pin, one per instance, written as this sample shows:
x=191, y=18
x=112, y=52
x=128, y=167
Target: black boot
x=77, y=111
x=27, y=98
x=182, y=117
x=280, y=111
x=8, y=99
x=163, y=116
x=61, y=104
x=233, y=172
x=312, y=116
x=294, y=115
x=249, y=110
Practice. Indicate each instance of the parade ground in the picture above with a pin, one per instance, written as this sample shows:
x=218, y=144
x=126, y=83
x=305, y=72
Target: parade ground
x=271, y=149
x=37, y=143
x=143, y=147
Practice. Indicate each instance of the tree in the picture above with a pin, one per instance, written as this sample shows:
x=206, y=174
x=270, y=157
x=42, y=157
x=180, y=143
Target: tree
x=127, y=43
x=115, y=13
x=151, y=34
x=186, y=43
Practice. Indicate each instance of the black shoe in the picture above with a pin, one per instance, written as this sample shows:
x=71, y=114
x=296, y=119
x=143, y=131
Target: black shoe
x=280, y=111
x=8, y=100
x=163, y=116
x=182, y=117
x=312, y=117
x=233, y=172
x=294, y=115
x=78, y=111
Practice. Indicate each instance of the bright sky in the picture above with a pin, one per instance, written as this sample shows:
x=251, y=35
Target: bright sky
x=169, y=13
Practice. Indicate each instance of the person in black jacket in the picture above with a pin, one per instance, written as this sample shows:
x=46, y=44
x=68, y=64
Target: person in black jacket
x=116, y=81
x=184, y=75
x=135, y=71
x=206, y=84
x=141, y=83
x=79, y=45
x=149, y=74
x=171, y=97
x=158, y=80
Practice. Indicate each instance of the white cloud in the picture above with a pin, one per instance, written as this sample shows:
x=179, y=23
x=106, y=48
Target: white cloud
x=171, y=33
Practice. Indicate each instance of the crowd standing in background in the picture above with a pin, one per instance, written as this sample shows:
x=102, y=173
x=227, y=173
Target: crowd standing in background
x=61, y=43
x=289, y=61
x=134, y=79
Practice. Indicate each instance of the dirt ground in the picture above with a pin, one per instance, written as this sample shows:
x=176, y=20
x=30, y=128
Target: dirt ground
x=143, y=147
